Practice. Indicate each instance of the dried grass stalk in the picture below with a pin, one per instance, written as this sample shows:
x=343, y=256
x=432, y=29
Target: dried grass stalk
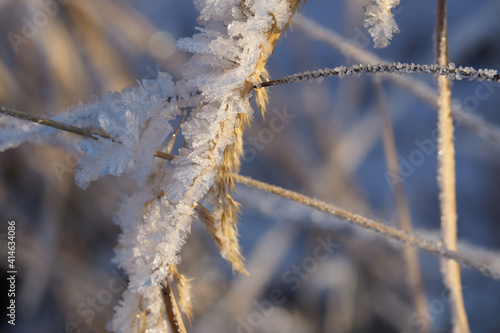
x=486, y=268
x=173, y=313
x=446, y=176
x=183, y=291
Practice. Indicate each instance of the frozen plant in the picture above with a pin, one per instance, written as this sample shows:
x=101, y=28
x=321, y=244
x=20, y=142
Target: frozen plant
x=130, y=128
x=380, y=21
x=126, y=135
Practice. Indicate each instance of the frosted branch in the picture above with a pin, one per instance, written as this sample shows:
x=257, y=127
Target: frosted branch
x=381, y=228
x=450, y=71
x=418, y=88
x=52, y=123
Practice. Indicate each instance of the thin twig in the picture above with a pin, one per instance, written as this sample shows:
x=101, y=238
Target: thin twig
x=403, y=209
x=91, y=134
x=52, y=123
x=446, y=176
x=449, y=71
x=420, y=89
x=381, y=228
x=165, y=156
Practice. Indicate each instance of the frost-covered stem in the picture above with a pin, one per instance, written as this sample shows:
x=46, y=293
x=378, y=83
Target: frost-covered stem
x=449, y=71
x=379, y=227
x=418, y=88
x=91, y=134
x=446, y=176
x=51, y=123
x=227, y=209
x=404, y=217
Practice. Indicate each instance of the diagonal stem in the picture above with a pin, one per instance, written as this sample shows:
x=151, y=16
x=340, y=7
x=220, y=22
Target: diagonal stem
x=172, y=309
x=366, y=223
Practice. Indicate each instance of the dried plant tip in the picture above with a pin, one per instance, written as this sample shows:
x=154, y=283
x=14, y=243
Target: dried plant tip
x=223, y=227
x=183, y=291
x=173, y=313
x=229, y=251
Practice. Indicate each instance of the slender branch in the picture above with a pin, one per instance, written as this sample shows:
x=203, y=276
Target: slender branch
x=381, y=228
x=165, y=156
x=52, y=123
x=171, y=143
x=446, y=176
x=418, y=88
x=91, y=134
x=450, y=71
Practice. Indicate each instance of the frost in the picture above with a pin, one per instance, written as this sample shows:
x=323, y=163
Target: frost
x=136, y=134
x=380, y=21
x=135, y=123
x=226, y=52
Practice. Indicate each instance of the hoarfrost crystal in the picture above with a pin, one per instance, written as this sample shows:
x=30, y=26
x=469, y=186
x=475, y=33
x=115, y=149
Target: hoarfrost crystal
x=380, y=21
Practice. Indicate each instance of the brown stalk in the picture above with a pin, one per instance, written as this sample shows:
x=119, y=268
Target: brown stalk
x=52, y=123
x=173, y=313
x=446, y=176
x=379, y=227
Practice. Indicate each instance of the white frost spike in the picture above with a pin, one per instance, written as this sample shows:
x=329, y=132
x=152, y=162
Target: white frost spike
x=380, y=21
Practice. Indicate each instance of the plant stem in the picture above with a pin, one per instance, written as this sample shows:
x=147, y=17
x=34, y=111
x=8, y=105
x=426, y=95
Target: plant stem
x=52, y=123
x=173, y=312
x=366, y=223
x=446, y=176
x=420, y=89
x=449, y=71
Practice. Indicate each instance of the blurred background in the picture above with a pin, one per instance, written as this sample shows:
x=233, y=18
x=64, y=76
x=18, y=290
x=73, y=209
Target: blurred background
x=309, y=272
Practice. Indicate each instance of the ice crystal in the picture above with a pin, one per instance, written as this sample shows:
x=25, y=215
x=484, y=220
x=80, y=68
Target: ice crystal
x=380, y=21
